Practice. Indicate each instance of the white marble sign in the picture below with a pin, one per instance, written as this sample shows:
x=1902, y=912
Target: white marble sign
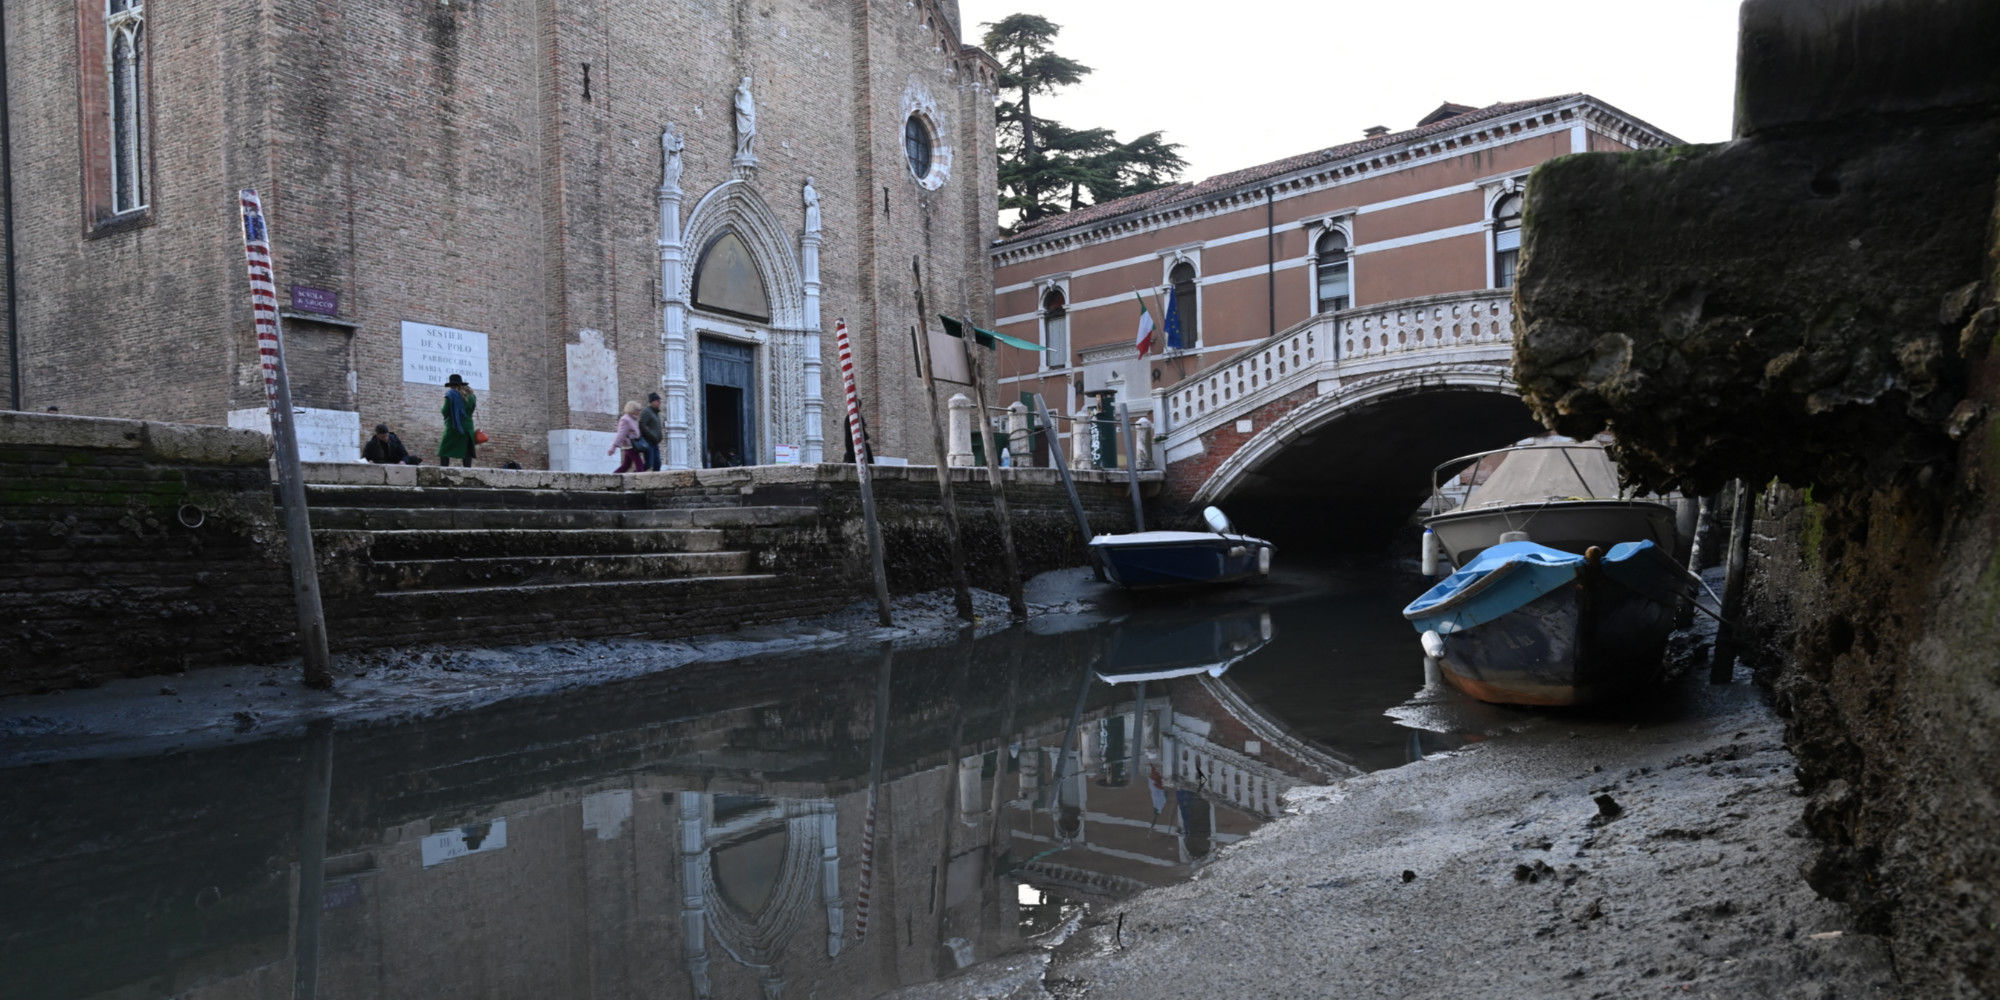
x=433, y=353
x=451, y=845
x=593, y=373
x=324, y=435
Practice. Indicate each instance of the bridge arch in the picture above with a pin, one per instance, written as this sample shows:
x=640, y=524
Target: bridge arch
x=1356, y=459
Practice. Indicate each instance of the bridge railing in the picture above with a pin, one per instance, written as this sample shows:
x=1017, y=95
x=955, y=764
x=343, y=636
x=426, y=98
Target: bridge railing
x=1366, y=339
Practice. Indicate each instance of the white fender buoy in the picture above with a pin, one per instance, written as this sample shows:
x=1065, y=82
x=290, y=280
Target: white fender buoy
x=1433, y=644
x=1430, y=553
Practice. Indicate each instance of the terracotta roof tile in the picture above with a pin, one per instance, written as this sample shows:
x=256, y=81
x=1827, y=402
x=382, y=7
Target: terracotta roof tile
x=1188, y=193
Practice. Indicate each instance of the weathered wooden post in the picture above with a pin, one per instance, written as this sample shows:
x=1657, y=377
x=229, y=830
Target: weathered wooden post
x=1132, y=467
x=962, y=589
x=285, y=443
x=318, y=785
x=1017, y=604
x=1062, y=469
x=857, y=435
x=1722, y=667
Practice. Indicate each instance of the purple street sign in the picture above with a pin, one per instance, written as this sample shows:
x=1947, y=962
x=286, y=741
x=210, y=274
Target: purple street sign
x=315, y=300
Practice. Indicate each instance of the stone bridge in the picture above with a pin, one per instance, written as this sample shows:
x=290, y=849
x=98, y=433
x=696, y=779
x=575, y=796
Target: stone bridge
x=1345, y=413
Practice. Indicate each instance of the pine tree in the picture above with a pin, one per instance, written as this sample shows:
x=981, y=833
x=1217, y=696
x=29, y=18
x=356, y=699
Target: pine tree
x=1046, y=168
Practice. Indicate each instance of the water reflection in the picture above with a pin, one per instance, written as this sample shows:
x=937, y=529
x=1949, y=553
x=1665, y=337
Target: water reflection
x=833, y=825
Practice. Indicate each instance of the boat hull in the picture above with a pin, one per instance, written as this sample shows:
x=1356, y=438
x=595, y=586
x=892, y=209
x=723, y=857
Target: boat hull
x=1177, y=559
x=1568, y=525
x=1563, y=633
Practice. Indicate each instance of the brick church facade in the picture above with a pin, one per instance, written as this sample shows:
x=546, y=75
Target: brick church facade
x=572, y=203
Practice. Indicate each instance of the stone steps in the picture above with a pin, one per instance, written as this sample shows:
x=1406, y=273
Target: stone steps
x=399, y=576
x=344, y=495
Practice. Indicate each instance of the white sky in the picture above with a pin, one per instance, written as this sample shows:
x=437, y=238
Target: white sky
x=1245, y=82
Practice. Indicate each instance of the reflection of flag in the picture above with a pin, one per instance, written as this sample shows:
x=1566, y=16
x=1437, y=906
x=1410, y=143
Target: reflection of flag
x=1173, y=322
x=1145, y=337
x=1158, y=788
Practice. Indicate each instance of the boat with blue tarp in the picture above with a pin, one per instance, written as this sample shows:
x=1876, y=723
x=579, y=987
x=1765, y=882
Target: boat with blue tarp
x=1528, y=624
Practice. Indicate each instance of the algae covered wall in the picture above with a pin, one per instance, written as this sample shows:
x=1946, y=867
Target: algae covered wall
x=134, y=547
x=1811, y=308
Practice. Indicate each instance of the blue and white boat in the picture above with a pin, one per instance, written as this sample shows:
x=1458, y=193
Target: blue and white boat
x=1143, y=560
x=1527, y=624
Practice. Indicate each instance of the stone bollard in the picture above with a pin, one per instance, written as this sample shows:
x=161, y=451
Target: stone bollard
x=1142, y=443
x=1018, y=443
x=960, y=441
x=1081, y=432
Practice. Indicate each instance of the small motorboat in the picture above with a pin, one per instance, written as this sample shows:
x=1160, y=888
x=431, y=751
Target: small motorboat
x=1528, y=624
x=1146, y=559
x=1561, y=493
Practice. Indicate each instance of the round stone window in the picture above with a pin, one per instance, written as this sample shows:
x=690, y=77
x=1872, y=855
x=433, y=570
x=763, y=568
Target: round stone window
x=918, y=146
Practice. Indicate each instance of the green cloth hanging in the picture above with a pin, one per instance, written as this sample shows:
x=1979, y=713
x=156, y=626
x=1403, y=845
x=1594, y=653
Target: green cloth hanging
x=986, y=338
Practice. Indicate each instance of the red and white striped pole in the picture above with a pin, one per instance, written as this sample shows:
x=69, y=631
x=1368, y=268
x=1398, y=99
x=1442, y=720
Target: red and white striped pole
x=285, y=441
x=861, y=472
x=867, y=871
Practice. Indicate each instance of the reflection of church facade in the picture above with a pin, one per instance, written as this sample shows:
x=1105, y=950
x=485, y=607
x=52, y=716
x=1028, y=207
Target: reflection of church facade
x=572, y=207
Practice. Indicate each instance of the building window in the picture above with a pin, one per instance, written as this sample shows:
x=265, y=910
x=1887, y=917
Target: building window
x=1055, y=329
x=917, y=145
x=1334, y=292
x=1506, y=240
x=1186, y=309
x=125, y=72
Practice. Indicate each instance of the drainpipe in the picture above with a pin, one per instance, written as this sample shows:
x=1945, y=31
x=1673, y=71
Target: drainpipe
x=7, y=229
x=1270, y=261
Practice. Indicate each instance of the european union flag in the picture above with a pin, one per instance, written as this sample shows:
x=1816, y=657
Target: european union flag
x=1173, y=323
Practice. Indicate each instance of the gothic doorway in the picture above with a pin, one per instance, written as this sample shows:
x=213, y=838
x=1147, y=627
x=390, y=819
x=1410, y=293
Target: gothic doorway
x=728, y=403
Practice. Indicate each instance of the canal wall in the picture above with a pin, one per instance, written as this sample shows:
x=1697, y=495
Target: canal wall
x=1812, y=309
x=134, y=547
x=130, y=548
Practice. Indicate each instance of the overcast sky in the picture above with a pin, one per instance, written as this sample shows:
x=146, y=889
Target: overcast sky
x=1245, y=82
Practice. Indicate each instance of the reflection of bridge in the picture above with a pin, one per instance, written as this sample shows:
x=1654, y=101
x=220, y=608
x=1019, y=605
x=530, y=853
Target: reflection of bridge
x=1347, y=409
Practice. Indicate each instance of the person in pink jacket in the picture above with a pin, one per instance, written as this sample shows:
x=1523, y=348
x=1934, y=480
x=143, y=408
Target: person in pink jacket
x=628, y=439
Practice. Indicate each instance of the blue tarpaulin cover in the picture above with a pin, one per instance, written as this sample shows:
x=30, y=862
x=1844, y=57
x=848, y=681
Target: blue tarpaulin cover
x=1511, y=574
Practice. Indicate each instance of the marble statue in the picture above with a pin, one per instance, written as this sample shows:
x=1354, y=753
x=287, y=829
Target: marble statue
x=812, y=206
x=671, y=146
x=746, y=120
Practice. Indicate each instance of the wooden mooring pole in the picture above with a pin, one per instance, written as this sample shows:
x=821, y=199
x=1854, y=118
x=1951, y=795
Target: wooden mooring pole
x=1017, y=604
x=1062, y=469
x=1132, y=466
x=962, y=588
x=1728, y=631
x=285, y=443
x=857, y=432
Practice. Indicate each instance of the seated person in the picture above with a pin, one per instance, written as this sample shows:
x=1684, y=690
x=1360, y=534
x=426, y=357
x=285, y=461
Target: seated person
x=384, y=448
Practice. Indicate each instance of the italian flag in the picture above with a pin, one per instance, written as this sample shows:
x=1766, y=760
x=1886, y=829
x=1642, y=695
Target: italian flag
x=1145, y=338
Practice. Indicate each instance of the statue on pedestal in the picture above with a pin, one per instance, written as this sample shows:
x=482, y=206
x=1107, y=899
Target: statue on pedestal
x=746, y=122
x=812, y=206
x=670, y=147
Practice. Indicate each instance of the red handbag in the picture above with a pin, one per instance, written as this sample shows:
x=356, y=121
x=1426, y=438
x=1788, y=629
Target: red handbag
x=479, y=437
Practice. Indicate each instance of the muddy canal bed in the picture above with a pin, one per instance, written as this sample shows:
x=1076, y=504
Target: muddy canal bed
x=1188, y=797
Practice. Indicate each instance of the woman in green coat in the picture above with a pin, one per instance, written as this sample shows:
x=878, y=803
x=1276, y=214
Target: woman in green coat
x=459, y=402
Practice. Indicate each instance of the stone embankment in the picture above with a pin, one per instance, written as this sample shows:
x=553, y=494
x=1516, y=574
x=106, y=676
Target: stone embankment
x=135, y=547
x=1812, y=309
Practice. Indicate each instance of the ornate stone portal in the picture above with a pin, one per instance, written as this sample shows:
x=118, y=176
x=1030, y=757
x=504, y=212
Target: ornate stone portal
x=785, y=340
x=752, y=872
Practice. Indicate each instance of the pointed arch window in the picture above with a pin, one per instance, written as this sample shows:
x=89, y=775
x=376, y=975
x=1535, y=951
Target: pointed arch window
x=1506, y=240
x=726, y=279
x=1335, y=285
x=1055, y=329
x=125, y=74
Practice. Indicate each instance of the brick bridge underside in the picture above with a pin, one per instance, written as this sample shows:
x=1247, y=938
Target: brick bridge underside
x=1342, y=466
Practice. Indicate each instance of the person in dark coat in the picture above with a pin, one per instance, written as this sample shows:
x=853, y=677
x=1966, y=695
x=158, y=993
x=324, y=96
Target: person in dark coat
x=385, y=448
x=651, y=431
x=459, y=404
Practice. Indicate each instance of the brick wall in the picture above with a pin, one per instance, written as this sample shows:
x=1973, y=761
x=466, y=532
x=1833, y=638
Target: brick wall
x=101, y=571
x=444, y=163
x=1186, y=477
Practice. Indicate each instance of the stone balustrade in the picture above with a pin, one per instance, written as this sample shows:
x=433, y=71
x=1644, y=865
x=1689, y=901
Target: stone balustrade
x=1428, y=330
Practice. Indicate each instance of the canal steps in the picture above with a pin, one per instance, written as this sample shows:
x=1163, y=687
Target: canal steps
x=469, y=561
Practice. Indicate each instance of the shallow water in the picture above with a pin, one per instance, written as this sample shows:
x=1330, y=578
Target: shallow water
x=830, y=824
